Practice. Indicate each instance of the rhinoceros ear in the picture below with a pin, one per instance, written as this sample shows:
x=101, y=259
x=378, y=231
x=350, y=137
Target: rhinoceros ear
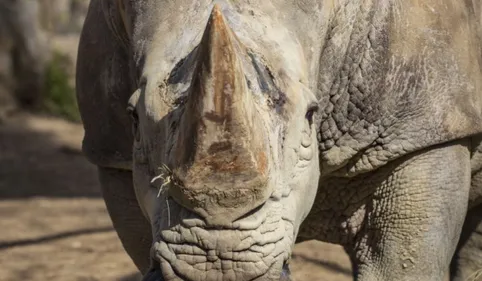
x=103, y=87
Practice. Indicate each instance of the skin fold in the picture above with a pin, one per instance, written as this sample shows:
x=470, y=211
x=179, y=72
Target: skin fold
x=227, y=131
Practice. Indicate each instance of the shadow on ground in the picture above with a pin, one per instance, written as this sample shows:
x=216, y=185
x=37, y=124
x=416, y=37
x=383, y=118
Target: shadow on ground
x=53, y=216
x=41, y=157
x=53, y=237
x=328, y=265
x=131, y=277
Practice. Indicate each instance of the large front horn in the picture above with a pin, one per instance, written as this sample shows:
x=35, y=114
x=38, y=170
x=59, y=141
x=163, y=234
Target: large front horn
x=221, y=153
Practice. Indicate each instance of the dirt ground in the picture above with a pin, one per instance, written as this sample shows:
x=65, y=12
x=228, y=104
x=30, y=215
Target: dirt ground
x=54, y=225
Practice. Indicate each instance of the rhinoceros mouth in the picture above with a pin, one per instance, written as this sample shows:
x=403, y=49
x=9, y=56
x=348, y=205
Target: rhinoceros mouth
x=256, y=248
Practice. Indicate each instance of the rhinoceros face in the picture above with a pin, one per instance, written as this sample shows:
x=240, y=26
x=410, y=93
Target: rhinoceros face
x=225, y=153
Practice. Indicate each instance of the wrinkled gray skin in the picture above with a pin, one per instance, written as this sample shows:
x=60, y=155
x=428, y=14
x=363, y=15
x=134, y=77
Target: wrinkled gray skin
x=255, y=124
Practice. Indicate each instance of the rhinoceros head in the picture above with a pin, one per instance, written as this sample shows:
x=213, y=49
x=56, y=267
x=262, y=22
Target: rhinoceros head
x=225, y=153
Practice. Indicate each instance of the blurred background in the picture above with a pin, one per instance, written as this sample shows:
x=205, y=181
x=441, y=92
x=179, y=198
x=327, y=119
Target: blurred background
x=53, y=222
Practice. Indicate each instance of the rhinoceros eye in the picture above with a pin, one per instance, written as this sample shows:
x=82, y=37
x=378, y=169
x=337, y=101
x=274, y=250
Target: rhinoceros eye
x=135, y=122
x=312, y=109
x=132, y=111
x=306, y=149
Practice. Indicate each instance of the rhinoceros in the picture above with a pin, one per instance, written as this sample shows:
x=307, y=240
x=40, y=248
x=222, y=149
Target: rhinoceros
x=227, y=131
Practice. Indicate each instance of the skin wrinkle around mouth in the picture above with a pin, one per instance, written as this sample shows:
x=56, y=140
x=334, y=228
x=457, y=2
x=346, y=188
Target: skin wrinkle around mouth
x=227, y=254
x=222, y=265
